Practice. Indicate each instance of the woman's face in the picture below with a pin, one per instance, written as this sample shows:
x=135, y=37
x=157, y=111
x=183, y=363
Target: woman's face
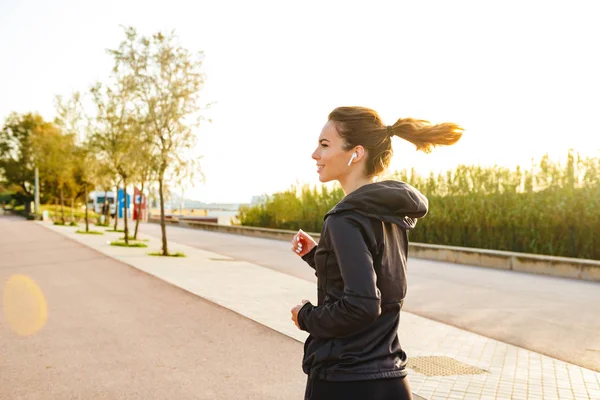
x=332, y=160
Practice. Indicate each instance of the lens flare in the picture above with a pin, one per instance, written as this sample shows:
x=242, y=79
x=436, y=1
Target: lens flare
x=24, y=305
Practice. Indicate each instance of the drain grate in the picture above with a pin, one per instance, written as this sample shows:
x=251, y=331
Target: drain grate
x=441, y=366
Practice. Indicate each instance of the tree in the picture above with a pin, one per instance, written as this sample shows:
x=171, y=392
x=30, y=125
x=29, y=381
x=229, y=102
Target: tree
x=103, y=177
x=146, y=171
x=72, y=121
x=55, y=153
x=117, y=134
x=27, y=142
x=167, y=80
x=86, y=169
x=17, y=157
x=128, y=165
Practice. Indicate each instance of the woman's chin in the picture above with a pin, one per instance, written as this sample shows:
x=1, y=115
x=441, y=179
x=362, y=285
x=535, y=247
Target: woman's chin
x=323, y=178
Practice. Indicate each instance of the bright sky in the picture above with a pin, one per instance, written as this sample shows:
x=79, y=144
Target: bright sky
x=522, y=77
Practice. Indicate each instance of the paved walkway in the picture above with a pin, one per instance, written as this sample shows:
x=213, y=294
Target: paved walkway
x=557, y=317
x=446, y=362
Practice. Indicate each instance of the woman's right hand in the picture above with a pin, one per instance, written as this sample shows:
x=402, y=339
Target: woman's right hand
x=302, y=243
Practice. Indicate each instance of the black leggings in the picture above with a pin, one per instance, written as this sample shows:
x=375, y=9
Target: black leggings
x=377, y=389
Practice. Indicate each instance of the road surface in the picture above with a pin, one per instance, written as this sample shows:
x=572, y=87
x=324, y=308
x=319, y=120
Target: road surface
x=114, y=332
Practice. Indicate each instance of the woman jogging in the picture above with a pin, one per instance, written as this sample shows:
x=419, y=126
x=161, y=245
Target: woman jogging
x=353, y=351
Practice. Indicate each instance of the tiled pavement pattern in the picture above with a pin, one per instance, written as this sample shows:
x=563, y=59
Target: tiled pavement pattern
x=511, y=372
x=498, y=370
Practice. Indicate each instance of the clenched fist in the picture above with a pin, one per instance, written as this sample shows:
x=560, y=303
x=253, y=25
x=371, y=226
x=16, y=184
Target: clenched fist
x=302, y=243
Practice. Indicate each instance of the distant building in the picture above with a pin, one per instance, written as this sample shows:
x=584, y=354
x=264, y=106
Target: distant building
x=97, y=200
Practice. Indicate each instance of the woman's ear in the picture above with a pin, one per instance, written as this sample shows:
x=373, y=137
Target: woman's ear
x=357, y=154
x=360, y=152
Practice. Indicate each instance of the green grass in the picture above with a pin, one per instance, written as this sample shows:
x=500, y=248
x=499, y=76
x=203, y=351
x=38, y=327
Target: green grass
x=72, y=223
x=132, y=238
x=104, y=225
x=159, y=254
x=115, y=230
x=90, y=232
x=123, y=244
x=78, y=212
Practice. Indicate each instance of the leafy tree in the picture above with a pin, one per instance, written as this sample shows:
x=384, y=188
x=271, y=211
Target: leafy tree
x=167, y=80
x=55, y=157
x=147, y=165
x=117, y=134
x=17, y=155
x=72, y=121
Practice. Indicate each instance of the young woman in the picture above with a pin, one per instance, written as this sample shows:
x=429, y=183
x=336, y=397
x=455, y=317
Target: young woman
x=353, y=351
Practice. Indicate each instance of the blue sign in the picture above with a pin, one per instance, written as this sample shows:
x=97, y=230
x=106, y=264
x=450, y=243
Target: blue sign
x=121, y=203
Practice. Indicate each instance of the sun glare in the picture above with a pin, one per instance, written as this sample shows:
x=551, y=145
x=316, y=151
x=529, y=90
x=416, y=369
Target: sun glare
x=24, y=306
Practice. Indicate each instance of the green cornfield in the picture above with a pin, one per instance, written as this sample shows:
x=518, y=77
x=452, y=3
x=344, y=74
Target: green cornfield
x=551, y=208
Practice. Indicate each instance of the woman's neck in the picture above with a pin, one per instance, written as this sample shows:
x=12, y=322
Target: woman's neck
x=351, y=183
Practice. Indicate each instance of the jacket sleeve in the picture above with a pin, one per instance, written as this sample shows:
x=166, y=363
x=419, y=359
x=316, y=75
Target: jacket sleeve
x=310, y=257
x=361, y=302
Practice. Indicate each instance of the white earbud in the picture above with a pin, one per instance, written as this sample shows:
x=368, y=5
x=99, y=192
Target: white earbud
x=354, y=155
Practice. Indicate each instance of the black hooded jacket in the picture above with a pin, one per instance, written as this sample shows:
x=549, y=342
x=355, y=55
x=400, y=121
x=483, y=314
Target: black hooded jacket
x=360, y=264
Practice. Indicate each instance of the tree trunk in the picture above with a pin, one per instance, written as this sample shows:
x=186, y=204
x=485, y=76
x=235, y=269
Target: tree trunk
x=163, y=227
x=139, y=212
x=125, y=208
x=62, y=206
x=117, y=208
x=55, y=209
x=87, y=226
x=106, y=208
x=72, y=209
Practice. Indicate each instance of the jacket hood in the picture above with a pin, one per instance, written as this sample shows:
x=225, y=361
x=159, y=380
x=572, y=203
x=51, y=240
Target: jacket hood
x=389, y=201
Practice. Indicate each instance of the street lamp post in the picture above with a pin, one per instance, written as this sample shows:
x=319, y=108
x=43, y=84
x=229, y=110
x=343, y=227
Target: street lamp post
x=37, y=191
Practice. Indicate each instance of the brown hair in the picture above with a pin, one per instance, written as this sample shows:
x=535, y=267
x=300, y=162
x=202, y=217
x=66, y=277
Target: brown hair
x=363, y=126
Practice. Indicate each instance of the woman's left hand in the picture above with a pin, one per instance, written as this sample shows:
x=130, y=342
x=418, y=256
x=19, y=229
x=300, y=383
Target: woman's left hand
x=295, y=311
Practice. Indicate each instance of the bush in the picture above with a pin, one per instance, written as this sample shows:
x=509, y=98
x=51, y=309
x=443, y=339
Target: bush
x=6, y=197
x=78, y=212
x=551, y=208
x=298, y=207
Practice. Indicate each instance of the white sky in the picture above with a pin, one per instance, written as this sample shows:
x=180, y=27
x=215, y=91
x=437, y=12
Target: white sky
x=522, y=77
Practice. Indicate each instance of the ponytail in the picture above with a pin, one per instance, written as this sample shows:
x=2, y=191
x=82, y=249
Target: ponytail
x=426, y=136
x=363, y=126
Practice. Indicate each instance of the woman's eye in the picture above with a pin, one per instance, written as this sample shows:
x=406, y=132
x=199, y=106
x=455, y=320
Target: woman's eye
x=323, y=145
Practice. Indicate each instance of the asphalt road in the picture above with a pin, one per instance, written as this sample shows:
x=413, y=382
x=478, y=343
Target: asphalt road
x=557, y=317
x=76, y=324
